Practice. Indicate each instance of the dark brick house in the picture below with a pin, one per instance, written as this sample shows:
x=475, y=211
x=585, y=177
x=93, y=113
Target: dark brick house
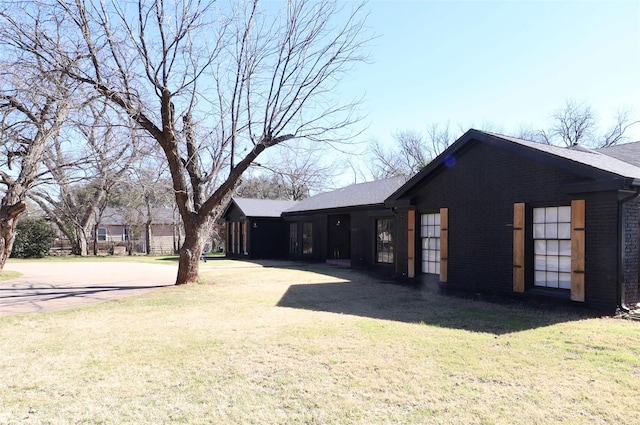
x=349, y=226
x=503, y=215
x=255, y=229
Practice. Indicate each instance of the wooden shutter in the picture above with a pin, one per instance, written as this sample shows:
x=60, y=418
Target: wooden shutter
x=444, y=243
x=411, y=240
x=518, y=247
x=577, y=249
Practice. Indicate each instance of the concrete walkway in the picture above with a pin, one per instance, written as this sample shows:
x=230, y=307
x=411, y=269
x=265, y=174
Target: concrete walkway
x=56, y=286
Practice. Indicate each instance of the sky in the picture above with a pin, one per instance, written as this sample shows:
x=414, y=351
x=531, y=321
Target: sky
x=503, y=64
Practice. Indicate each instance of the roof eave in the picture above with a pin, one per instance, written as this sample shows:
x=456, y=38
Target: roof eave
x=334, y=210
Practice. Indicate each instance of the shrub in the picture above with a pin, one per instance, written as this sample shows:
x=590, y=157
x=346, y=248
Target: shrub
x=33, y=238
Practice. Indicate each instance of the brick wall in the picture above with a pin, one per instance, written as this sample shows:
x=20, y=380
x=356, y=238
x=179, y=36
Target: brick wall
x=630, y=265
x=480, y=189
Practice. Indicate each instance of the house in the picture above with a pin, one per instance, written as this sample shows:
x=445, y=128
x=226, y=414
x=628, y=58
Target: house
x=503, y=215
x=130, y=230
x=349, y=226
x=255, y=229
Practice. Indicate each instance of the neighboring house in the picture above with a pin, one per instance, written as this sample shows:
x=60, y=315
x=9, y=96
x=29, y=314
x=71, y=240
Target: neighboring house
x=255, y=229
x=504, y=215
x=349, y=226
x=133, y=231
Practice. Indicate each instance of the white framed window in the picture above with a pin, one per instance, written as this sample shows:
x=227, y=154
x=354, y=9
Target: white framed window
x=102, y=234
x=430, y=236
x=552, y=247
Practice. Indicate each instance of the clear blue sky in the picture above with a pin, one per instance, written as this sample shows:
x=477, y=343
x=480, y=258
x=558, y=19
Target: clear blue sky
x=507, y=63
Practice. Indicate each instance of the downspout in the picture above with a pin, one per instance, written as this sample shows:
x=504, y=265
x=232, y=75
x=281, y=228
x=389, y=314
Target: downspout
x=621, y=291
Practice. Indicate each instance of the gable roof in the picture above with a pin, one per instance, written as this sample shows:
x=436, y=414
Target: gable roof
x=597, y=159
x=259, y=207
x=577, y=159
x=361, y=194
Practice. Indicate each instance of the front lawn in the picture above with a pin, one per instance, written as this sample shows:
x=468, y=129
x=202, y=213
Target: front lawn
x=265, y=344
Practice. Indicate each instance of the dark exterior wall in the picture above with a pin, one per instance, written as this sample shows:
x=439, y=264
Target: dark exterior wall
x=234, y=214
x=601, y=251
x=630, y=270
x=363, y=239
x=362, y=232
x=401, y=245
x=319, y=236
x=480, y=190
x=268, y=238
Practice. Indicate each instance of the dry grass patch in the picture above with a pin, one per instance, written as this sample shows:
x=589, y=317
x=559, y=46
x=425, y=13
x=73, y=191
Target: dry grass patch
x=9, y=274
x=262, y=344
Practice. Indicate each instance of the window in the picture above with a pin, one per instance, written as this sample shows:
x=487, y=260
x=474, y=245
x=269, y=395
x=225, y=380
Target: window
x=235, y=229
x=102, y=234
x=307, y=238
x=552, y=247
x=384, y=240
x=430, y=233
x=245, y=236
x=293, y=238
x=126, y=234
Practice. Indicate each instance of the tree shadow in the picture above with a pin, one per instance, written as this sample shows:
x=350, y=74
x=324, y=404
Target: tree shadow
x=173, y=259
x=39, y=297
x=426, y=304
x=240, y=263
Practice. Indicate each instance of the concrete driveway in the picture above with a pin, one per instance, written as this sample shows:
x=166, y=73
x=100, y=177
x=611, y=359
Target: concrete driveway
x=55, y=286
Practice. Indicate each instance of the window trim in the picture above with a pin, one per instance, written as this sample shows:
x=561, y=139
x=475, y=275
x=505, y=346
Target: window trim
x=102, y=238
x=435, y=229
x=552, y=251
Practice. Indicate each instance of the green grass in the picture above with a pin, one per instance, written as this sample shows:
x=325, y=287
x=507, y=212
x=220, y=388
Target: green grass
x=262, y=344
x=9, y=274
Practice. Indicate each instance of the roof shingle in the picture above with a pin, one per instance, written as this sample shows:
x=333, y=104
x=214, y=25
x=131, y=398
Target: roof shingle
x=262, y=207
x=360, y=194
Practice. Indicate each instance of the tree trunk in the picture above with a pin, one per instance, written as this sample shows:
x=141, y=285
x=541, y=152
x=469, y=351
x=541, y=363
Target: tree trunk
x=8, y=222
x=190, y=252
x=95, y=238
x=81, y=243
x=148, y=237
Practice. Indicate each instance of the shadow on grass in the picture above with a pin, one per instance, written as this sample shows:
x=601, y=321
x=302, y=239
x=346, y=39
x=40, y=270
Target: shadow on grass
x=243, y=263
x=38, y=298
x=426, y=305
x=173, y=259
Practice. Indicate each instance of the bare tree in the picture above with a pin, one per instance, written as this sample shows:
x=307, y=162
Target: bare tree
x=146, y=189
x=299, y=171
x=576, y=123
x=617, y=133
x=103, y=150
x=406, y=156
x=34, y=103
x=410, y=152
x=214, y=87
x=439, y=138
